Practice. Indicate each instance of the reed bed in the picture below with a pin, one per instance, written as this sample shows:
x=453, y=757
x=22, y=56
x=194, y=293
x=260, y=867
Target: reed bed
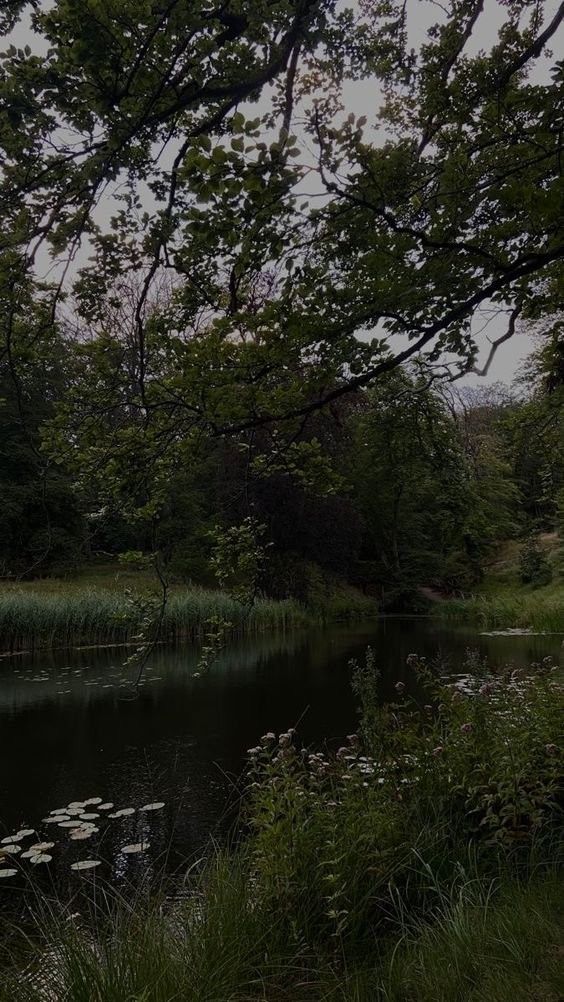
x=542, y=610
x=32, y=619
x=64, y=617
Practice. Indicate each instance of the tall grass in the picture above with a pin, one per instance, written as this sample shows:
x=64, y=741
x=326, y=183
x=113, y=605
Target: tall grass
x=541, y=610
x=71, y=615
x=486, y=940
x=78, y=616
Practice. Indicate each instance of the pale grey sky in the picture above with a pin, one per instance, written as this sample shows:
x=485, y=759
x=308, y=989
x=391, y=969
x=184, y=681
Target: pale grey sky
x=363, y=98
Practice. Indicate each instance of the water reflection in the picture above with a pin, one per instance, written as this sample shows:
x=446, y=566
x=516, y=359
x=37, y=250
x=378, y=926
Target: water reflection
x=74, y=728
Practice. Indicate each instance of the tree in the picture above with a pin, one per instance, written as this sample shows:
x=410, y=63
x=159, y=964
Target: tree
x=282, y=304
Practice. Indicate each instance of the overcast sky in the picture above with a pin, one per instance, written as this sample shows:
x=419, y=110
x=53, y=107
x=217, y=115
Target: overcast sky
x=363, y=98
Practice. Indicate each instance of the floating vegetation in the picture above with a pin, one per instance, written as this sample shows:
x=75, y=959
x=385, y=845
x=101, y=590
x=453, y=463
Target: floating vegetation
x=26, y=832
x=136, y=847
x=153, y=807
x=59, y=810
x=8, y=873
x=86, y=864
x=125, y=812
x=105, y=807
x=92, y=801
x=10, y=839
x=89, y=817
x=41, y=847
x=81, y=834
x=41, y=857
x=69, y=824
x=76, y=803
x=10, y=850
x=52, y=821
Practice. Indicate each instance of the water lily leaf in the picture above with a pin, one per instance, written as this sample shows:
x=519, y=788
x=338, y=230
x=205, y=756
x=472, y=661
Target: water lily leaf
x=152, y=807
x=69, y=824
x=25, y=832
x=76, y=803
x=80, y=834
x=93, y=801
x=59, y=810
x=9, y=840
x=8, y=873
x=136, y=847
x=86, y=864
x=41, y=846
x=52, y=821
x=125, y=811
x=89, y=817
x=105, y=807
x=10, y=850
x=74, y=812
x=41, y=857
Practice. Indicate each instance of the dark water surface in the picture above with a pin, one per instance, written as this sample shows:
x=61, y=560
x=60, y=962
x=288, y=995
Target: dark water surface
x=72, y=727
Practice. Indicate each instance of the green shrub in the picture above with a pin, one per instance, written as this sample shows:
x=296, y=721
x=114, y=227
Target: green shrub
x=334, y=837
x=534, y=568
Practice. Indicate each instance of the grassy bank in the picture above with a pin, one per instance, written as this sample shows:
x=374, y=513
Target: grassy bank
x=419, y=863
x=540, y=609
x=94, y=608
x=503, y=602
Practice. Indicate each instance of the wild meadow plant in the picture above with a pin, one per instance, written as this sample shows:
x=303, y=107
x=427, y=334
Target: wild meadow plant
x=417, y=862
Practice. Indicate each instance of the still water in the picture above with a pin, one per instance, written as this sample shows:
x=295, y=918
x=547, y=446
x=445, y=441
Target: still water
x=73, y=728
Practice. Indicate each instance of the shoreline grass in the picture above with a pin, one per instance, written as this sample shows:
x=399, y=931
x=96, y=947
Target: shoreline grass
x=66, y=614
x=509, y=608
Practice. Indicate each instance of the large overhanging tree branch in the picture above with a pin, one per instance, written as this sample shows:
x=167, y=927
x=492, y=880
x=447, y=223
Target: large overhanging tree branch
x=283, y=301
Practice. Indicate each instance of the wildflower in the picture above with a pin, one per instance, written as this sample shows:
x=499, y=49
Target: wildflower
x=268, y=738
x=284, y=740
x=486, y=689
x=551, y=749
x=412, y=660
x=353, y=739
x=466, y=728
x=438, y=750
x=400, y=687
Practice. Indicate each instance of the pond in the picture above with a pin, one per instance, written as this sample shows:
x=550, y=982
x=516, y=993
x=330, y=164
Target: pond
x=73, y=728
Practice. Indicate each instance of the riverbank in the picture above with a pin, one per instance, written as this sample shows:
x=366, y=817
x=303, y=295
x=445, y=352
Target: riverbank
x=100, y=607
x=503, y=602
x=540, y=609
x=416, y=863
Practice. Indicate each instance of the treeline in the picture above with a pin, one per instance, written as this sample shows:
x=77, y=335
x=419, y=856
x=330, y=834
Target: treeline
x=402, y=487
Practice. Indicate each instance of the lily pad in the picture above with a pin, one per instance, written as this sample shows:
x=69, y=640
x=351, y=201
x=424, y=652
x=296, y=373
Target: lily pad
x=59, y=810
x=125, y=812
x=105, y=807
x=10, y=850
x=41, y=846
x=93, y=800
x=26, y=832
x=41, y=857
x=52, y=821
x=86, y=864
x=89, y=817
x=9, y=840
x=8, y=873
x=76, y=803
x=69, y=824
x=80, y=834
x=136, y=847
x=153, y=807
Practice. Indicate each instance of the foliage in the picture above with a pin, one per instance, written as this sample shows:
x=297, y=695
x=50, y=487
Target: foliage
x=438, y=209
x=333, y=836
x=534, y=567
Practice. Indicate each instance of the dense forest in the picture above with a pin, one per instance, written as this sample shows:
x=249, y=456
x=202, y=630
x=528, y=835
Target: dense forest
x=403, y=486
